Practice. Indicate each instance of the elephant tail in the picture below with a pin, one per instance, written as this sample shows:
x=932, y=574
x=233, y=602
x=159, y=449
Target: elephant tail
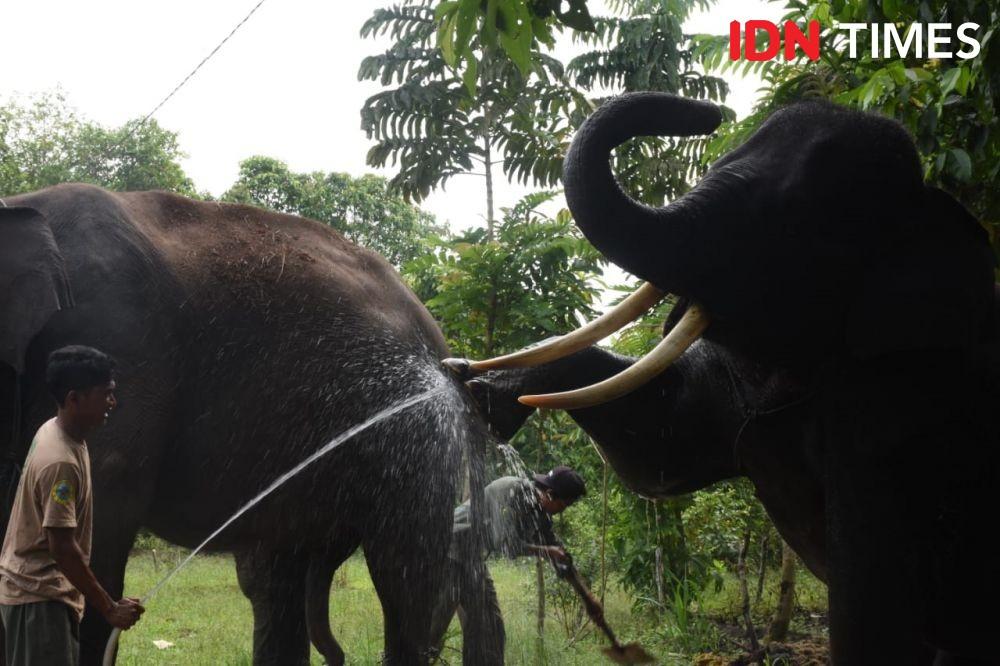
x=319, y=578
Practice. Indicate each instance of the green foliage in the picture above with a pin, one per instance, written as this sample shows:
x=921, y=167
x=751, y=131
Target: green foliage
x=43, y=142
x=718, y=517
x=361, y=208
x=515, y=26
x=949, y=106
x=685, y=626
x=530, y=282
x=438, y=121
x=644, y=47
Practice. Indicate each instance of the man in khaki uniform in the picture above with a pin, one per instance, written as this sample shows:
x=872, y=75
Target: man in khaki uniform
x=44, y=564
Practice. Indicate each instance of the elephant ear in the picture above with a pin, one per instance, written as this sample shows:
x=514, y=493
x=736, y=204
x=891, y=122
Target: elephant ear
x=33, y=281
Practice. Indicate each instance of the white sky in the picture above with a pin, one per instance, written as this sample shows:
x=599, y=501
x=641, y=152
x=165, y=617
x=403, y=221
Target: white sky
x=285, y=85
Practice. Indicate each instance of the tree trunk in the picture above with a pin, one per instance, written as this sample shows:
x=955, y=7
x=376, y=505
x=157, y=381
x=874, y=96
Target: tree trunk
x=778, y=629
x=762, y=569
x=604, y=533
x=488, y=168
x=658, y=558
x=491, y=311
x=539, y=563
x=741, y=571
x=540, y=578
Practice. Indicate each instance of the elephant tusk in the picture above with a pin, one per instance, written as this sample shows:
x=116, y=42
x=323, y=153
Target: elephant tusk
x=624, y=313
x=688, y=329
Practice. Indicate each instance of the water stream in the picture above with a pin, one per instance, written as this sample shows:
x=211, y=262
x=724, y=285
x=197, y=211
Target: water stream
x=389, y=412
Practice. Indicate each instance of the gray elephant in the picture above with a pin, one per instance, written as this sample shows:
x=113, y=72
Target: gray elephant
x=245, y=340
x=850, y=363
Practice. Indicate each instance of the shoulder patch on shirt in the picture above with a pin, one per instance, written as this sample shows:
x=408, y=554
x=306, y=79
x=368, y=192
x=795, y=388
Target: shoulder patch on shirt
x=63, y=492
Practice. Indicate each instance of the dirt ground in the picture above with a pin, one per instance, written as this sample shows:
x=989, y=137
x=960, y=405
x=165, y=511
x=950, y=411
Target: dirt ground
x=806, y=645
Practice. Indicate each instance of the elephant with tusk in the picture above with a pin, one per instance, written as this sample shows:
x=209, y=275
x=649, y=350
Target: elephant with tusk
x=843, y=351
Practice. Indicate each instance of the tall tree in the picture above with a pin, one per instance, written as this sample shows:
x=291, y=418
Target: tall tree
x=44, y=141
x=472, y=85
x=362, y=208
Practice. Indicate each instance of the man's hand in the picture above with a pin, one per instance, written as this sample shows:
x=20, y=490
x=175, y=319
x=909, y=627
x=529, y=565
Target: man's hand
x=66, y=553
x=554, y=553
x=559, y=555
x=124, y=613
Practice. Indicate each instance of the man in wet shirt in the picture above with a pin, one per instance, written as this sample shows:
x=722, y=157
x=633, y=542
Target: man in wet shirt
x=518, y=521
x=44, y=564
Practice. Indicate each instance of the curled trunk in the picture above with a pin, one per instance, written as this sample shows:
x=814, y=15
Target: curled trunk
x=620, y=227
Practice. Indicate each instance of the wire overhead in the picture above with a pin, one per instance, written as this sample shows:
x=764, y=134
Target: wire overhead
x=200, y=65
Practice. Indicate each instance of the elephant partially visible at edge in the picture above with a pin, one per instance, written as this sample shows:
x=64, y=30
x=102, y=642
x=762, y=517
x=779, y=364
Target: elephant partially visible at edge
x=245, y=341
x=849, y=362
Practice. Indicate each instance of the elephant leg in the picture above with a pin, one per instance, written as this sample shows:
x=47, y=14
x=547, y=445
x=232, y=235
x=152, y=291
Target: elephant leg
x=445, y=607
x=483, y=635
x=408, y=580
x=873, y=600
x=274, y=582
x=894, y=443
x=322, y=567
x=109, y=556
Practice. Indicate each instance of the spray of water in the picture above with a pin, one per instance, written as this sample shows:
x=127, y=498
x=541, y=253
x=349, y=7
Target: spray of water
x=109, y=651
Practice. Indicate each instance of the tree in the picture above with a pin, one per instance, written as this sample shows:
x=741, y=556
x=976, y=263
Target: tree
x=361, y=208
x=777, y=630
x=642, y=46
x=531, y=282
x=43, y=142
x=510, y=100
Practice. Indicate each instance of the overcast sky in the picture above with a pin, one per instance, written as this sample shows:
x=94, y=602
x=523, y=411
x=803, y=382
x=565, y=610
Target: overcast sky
x=285, y=85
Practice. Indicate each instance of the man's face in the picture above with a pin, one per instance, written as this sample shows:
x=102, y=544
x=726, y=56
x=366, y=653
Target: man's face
x=91, y=407
x=551, y=504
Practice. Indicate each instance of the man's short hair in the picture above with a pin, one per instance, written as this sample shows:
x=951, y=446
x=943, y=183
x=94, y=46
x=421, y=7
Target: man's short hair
x=76, y=368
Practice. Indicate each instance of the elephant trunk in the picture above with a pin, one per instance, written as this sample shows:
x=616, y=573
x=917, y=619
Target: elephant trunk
x=623, y=229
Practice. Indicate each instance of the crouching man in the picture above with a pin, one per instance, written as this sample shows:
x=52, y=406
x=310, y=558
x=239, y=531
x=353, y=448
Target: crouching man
x=518, y=521
x=44, y=564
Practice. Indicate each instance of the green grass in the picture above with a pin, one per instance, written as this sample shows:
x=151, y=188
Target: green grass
x=204, y=614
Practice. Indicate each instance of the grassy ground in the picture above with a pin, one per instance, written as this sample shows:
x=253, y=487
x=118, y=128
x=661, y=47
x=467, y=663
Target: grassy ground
x=204, y=615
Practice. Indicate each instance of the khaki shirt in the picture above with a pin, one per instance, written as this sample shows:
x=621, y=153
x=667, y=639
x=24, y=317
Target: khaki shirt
x=54, y=491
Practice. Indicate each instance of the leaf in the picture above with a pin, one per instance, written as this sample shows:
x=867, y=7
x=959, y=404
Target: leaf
x=489, y=34
x=470, y=76
x=467, y=17
x=514, y=27
x=577, y=16
x=949, y=80
x=446, y=40
x=961, y=167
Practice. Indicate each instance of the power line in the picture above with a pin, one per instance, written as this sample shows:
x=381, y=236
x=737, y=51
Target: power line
x=194, y=71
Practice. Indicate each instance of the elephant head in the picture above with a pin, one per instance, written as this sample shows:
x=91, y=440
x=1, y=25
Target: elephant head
x=815, y=240
x=33, y=286
x=33, y=282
